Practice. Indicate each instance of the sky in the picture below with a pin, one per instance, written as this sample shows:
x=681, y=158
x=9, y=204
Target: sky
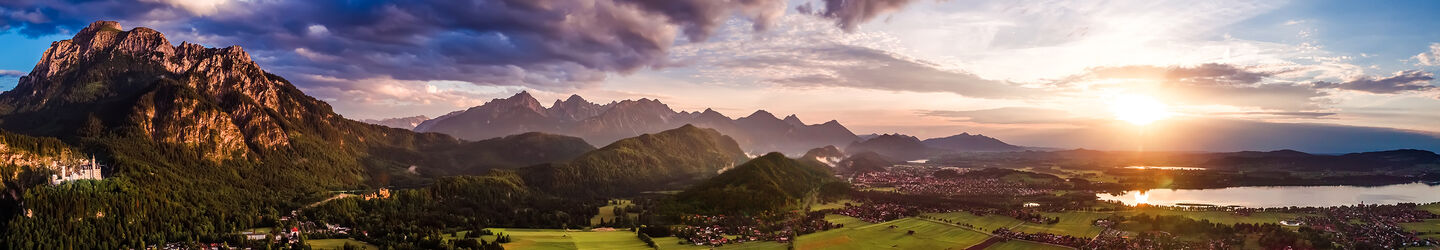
x=1319, y=76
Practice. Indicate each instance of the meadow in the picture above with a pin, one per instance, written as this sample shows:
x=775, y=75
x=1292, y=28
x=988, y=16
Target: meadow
x=327, y=244
x=607, y=212
x=1078, y=224
x=1220, y=217
x=927, y=235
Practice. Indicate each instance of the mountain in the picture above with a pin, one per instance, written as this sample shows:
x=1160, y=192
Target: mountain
x=894, y=146
x=598, y=124
x=402, y=122
x=187, y=135
x=513, y=151
x=649, y=162
x=828, y=155
x=769, y=183
x=864, y=162
x=968, y=142
x=520, y=113
x=625, y=119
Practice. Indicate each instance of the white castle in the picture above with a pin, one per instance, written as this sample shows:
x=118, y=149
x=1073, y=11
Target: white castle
x=86, y=170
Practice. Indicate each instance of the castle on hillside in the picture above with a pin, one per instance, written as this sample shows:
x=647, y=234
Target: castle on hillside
x=85, y=170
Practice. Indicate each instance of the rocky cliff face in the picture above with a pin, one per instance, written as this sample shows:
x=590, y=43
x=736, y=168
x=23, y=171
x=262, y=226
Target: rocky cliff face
x=599, y=124
x=215, y=99
x=127, y=88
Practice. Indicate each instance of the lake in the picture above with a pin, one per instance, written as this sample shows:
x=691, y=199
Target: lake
x=1163, y=168
x=1316, y=196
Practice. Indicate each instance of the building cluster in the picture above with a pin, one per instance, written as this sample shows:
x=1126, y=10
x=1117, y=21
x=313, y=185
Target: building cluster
x=83, y=170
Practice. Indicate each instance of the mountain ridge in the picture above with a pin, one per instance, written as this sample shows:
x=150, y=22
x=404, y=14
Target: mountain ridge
x=759, y=132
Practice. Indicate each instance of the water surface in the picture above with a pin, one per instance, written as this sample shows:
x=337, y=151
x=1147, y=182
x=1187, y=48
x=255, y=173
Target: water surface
x=1317, y=196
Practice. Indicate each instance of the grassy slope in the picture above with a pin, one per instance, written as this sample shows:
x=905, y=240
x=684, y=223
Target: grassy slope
x=928, y=235
x=846, y=220
x=983, y=223
x=560, y=239
x=1077, y=224
x=607, y=212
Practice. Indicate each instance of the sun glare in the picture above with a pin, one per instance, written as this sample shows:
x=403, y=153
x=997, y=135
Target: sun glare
x=1138, y=109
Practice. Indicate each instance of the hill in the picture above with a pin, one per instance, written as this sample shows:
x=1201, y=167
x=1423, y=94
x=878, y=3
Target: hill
x=669, y=159
x=864, y=162
x=769, y=183
x=894, y=146
x=969, y=142
x=828, y=155
x=513, y=151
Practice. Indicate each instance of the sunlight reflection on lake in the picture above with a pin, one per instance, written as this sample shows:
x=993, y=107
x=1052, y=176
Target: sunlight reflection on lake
x=1283, y=196
x=1164, y=168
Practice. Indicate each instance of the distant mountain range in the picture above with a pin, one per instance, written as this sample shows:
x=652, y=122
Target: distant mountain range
x=601, y=124
x=401, y=122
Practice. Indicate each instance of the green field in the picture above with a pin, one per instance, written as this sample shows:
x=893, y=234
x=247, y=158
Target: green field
x=846, y=220
x=1078, y=224
x=259, y=230
x=880, y=189
x=336, y=244
x=1023, y=245
x=985, y=223
x=608, y=212
x=1434, y=208
x=831, y=205
x=561, y=239
x=928, y=235
x=1428, y=229
x=1220, y=217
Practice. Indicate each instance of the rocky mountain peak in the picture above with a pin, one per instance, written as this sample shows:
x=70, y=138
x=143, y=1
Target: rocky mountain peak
x=794, y=121
x=520, y=100
x=761, y=114
x=574, y=98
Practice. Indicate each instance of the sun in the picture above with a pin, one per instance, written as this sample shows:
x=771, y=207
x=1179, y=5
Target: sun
x=1138, y=109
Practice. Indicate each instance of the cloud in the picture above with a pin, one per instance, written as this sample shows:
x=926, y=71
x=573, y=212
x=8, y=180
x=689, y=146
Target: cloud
x=1428, y=58
x=198, y=7
x=1203, y=74
x=849, y=14
x=867, y=68
x=1279, y=114
x=1403, y=81
x=1206, y=84
x=549, y=44
x=11, y=73
x=1005, y=115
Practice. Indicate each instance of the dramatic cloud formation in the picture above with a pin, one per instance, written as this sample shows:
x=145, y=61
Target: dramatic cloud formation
x=11, y=73
x=1404, y=81
x=555, y=43
x=849, y=14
